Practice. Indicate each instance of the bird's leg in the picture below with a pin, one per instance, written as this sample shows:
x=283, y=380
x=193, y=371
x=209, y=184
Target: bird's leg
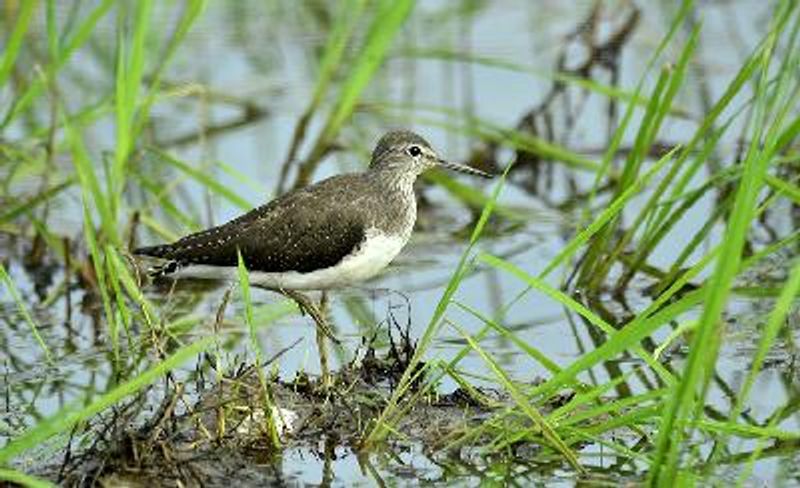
x=321, y=345
x=307, y=306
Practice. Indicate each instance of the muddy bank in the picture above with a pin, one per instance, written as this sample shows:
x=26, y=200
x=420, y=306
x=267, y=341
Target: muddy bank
x=212, y=431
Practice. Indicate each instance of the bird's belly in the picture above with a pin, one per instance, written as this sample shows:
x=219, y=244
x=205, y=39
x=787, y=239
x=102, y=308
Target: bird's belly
x=374, y=254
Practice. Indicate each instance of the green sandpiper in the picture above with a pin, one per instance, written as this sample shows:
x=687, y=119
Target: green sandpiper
x=335, y=233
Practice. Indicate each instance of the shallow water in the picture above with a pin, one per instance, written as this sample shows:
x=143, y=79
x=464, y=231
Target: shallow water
x=267, y=55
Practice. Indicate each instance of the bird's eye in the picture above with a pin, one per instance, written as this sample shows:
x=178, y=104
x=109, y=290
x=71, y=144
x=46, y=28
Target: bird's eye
x=414, y=151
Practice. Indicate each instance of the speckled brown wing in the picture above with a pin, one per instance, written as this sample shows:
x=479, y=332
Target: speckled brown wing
x=305, y=230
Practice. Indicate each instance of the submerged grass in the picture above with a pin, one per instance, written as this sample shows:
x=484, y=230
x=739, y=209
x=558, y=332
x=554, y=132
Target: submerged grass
x=70, y=416
x=23, y=310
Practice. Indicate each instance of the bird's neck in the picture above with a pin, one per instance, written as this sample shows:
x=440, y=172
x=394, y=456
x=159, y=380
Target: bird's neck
x=397, y=193
x=396, y=180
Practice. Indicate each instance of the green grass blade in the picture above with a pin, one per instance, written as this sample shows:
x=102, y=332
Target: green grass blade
x=244, y=284
x=121, y=309
x=471, y=197
x=31, y=203
x=528, y=349
x=133, y=290
x=191, y=11
x=129, y=71
x=643, y=145
x=269, y=420
x=589, y=84
x=14, y=42
x=610, y=212
x=347, y=19
x=627, y=337
x=90, y=186
x=100, y=272
x=204, y=178
x=787, y=188
x=484, y=129
x=23, y=479
x=776, y=320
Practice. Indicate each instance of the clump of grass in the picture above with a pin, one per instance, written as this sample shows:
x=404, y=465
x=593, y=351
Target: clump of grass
x=674, y=407
x=771, y=114
x=124, y=305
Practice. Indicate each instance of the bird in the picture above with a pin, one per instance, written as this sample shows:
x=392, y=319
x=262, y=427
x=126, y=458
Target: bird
x=335, y=233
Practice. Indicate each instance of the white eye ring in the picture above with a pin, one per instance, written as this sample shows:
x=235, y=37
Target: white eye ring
x=414, y=151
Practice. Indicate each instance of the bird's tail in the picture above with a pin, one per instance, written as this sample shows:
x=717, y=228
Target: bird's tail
x=161, y=251
x=163, y=270
x=154, y=251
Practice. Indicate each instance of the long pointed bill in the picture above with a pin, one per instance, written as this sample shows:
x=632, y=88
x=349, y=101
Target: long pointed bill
x=464, y=169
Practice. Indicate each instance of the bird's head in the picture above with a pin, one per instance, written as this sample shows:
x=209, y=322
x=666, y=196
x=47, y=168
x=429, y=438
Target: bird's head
x=407, y=152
